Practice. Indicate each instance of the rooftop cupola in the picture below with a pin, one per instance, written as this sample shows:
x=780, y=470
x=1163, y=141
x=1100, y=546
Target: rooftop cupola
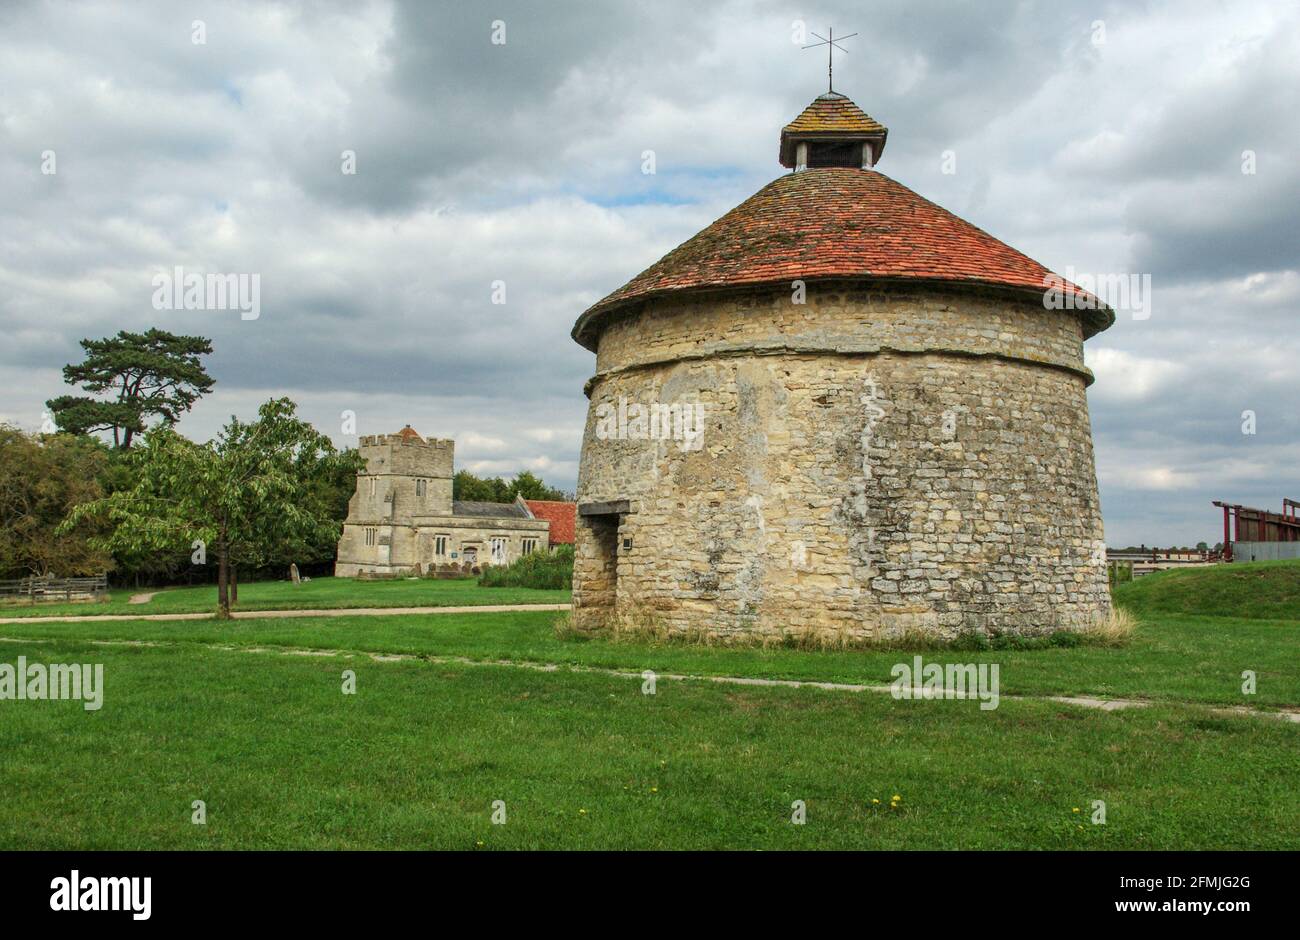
x=832, y=131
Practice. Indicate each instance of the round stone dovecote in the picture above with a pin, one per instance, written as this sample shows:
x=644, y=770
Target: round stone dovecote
x=839, y=413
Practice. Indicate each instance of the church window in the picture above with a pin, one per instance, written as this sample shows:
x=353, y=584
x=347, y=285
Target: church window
x=498, y=549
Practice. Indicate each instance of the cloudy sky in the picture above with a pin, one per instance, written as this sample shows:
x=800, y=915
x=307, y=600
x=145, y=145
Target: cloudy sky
x=1102, y=137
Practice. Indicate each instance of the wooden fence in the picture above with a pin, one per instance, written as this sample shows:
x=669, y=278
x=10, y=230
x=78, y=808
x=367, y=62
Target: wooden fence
x=48, y=590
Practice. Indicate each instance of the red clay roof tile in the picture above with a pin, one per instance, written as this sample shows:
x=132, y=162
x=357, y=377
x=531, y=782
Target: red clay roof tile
x=833, y=222
x=562, y=517
x=833, y=113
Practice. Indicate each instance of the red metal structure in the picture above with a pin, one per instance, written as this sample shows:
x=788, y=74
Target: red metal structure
x=1246, y=524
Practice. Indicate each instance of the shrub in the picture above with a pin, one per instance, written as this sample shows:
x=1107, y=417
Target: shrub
x=548, y=570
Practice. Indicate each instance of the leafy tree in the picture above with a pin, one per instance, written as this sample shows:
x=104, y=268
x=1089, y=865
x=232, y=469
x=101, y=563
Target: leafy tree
x=41, y=479
x=145, y=374
x=466, y=485
x=528, y=486
x=246, y=495
x=329, y=492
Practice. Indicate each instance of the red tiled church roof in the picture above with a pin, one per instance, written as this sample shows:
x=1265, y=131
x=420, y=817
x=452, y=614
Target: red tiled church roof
x=409, y=433
x=833, y=222
x=562, y=517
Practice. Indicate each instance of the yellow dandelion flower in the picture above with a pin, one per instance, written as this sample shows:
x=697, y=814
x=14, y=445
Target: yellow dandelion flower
x=896, y=798
x=654, y=789
x=1075, y=810
x=874, y=800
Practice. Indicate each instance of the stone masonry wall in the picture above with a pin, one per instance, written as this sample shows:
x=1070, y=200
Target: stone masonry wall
x=407, y=545
x=841, y=489
x=844, y=319
x=395, y=465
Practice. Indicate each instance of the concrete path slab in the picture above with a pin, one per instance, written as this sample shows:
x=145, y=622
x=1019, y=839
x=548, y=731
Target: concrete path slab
x=1106, y=705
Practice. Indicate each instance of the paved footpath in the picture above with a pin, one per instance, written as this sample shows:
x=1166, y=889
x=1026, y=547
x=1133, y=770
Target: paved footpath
x=332, y=612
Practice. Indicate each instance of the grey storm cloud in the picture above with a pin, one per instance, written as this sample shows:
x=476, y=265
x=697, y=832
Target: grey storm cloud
x=521, y=163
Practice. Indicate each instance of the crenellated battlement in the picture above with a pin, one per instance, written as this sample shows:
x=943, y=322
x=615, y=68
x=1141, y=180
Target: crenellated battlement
x=407, y=454
x=375, y=440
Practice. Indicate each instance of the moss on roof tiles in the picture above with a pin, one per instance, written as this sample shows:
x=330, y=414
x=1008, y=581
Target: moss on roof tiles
x=833, y=222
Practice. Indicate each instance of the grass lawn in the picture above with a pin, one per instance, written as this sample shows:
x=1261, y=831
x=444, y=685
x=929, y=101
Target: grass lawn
x=1195, y=659
x=416, y=758
x=317, y=594
x=1261, y=590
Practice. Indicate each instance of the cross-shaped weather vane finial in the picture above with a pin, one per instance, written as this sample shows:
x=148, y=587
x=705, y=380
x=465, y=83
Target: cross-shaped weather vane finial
x=831, y=44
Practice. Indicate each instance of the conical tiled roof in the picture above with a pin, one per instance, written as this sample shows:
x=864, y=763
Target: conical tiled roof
x=834, y=113
x=833, y=222
x=832, y=118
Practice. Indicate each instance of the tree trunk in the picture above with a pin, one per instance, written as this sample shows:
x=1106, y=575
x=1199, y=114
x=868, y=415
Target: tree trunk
x=223, y=592
x=234, y=585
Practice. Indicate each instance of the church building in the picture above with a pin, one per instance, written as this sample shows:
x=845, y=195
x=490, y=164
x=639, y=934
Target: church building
x=402, y=518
